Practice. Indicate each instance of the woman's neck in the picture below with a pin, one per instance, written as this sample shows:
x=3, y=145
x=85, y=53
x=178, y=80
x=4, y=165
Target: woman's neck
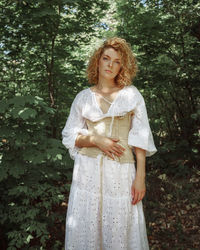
x=106, y=86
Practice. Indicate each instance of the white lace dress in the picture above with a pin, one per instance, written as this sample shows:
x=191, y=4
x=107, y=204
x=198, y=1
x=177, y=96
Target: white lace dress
x=100, y=215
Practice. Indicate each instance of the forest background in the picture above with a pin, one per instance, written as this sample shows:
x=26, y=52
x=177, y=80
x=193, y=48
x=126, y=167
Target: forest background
x=44, y=50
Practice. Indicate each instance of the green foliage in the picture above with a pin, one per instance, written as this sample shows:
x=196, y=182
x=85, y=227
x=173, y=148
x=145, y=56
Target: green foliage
x=32, y=171
x=43, y=48
x=41, y=71
x=160, y=33
x=165, y=38
x=171, y=207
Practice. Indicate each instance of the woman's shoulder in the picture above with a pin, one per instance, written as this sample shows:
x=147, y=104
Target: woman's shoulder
x=83, y=92
x=132, y=89
x=81, y=95
x=133, y=92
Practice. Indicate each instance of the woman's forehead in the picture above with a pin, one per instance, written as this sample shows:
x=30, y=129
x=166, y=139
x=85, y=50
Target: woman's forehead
x=111, y=53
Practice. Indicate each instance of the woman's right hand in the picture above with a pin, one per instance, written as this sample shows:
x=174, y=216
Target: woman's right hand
x=108, y=145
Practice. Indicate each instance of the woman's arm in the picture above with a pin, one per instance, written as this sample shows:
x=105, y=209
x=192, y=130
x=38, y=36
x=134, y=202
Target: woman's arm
x=107, y=145
x=85, y=141
x=138, y=187
x=141, y=161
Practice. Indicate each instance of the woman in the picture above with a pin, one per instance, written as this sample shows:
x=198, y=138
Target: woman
x=107, y=122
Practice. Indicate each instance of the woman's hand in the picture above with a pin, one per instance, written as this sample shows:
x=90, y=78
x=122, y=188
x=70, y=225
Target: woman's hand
x=108, y=145
x=138, y=190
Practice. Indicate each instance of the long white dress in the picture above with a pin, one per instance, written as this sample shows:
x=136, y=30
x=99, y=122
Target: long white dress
x=100, y=215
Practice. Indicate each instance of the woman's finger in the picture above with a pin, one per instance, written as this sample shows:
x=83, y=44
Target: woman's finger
x=119, y=150
x=119, y=147
x=113, y=151
x=135, y=198
x=109, y=154
x=133, y=191
x=140, y=197
x=117, y=144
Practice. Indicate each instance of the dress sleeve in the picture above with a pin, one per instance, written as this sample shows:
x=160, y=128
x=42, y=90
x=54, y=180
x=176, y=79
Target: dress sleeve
x=75, y=124
x=140, y=134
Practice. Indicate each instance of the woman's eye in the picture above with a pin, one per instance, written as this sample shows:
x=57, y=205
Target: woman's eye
x=105, y=58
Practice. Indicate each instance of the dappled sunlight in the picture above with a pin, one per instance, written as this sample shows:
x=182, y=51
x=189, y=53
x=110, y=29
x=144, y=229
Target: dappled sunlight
x=100, y=127
x=72, y=222
x=45, y=50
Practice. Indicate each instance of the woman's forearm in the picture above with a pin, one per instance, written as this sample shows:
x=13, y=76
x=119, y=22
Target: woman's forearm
x=138, y=188
x=141, y=161
x=85, y=141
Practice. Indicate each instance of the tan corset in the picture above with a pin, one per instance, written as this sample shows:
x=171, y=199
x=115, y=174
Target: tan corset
x=115, y=127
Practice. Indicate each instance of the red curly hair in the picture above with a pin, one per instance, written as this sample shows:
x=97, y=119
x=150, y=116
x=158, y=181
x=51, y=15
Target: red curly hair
x=129, y=64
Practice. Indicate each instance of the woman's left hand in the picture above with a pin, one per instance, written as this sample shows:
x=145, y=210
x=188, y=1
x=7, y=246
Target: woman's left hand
x=138, y=190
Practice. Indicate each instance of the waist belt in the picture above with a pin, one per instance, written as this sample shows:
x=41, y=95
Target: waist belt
x=117, y=127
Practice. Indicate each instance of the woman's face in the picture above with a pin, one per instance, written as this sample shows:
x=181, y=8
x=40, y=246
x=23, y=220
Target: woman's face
x=109, y=64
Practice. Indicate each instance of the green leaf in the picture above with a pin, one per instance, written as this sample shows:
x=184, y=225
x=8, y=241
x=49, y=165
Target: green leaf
x=29, y=238
x=18, y=101
x=27, y=113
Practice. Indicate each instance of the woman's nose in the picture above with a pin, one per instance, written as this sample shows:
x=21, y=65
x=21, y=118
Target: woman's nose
x=110, y=63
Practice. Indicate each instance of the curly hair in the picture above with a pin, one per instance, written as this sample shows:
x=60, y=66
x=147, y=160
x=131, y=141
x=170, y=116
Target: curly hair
x=129, y=64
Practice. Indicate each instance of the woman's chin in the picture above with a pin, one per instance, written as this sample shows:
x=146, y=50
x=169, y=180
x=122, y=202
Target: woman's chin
x=107, y=76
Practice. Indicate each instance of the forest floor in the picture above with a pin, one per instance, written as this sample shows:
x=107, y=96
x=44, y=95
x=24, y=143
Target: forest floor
x=172, y=210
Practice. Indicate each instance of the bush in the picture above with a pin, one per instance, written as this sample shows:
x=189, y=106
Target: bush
x=33, y=176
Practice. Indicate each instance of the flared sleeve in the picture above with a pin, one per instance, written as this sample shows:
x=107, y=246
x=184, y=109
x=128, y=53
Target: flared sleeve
x=75, y=124
x=140, y=134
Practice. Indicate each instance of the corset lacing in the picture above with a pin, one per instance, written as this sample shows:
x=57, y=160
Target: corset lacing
x=111, y=124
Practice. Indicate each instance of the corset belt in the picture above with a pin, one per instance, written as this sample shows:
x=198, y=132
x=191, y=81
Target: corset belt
x=120, y=129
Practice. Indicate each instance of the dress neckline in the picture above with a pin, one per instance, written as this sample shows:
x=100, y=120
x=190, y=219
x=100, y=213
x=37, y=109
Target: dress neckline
x=111, y=103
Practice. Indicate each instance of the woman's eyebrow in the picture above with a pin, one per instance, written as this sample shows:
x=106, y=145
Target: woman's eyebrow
x=109, y=57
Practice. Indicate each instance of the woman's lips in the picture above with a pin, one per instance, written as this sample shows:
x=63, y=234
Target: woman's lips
x=108, y=71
